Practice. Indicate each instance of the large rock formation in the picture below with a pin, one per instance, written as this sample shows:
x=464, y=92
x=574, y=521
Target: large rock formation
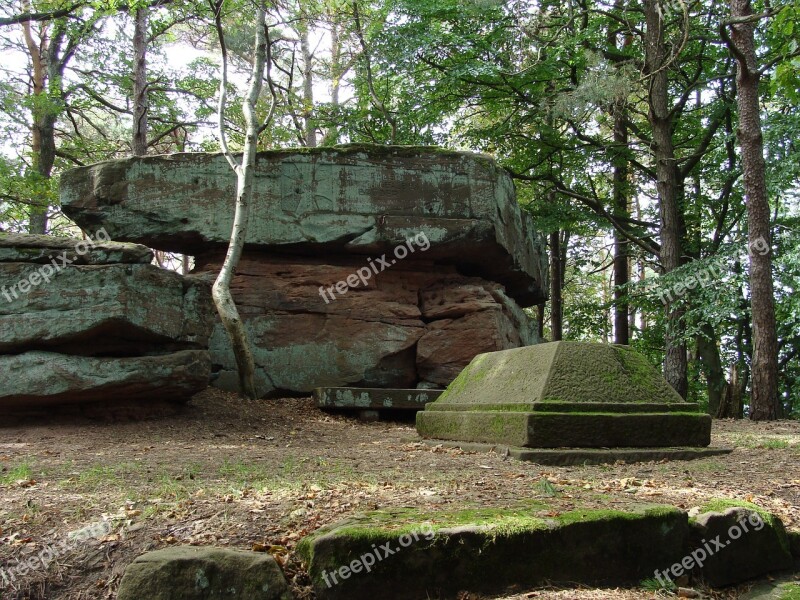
x=366, y=266
x=89, y=321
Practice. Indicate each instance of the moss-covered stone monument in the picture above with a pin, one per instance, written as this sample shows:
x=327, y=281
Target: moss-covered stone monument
x=564, y=395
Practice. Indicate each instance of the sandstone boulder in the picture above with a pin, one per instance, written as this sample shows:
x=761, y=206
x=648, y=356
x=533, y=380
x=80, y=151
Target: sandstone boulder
x=198, y=573
x=364, y=266
x=36, y=379
x=101, y=309
x=91, y=321
x=347, y=200
x=384, y=334
x=740, y=543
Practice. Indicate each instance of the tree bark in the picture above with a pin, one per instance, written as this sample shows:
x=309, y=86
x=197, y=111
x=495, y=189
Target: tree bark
x=556, y=279
x=140, y=95
x=708, y=353
x=540, y=313
x=220, y=291
x=765, y=404
x=308, y=86
x=668, y=186
x=620, y=208
x=621, y=244
x=44, y=60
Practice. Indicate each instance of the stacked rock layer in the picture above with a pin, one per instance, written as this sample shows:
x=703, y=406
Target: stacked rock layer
x=365, y=266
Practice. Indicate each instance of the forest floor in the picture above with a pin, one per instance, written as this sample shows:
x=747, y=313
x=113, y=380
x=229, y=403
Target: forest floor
x=260, y=475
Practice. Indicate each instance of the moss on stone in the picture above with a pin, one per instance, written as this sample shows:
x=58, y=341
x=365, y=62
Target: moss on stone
x=790, y=591
x=484, y=549
x=720, y=505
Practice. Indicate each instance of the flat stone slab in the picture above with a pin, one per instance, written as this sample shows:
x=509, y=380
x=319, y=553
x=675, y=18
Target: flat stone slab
x=125, y=309
x=564, y=394
x=36, y=379
x=359, y=199
x=566, y=457
x=374, y=398
x=96, y=250
x=406, y=554
x=781, y=588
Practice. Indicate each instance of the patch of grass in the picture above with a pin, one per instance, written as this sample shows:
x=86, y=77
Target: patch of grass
x=171, y=488
x=790, y=592
x=544, y=487
x=22, y=471
x=241, y=474
x=774, y=444
x=654, y=585
x=98, y=476
x=762, y=443
x=705, y=466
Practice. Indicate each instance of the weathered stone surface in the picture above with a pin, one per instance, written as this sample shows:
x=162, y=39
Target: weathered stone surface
x=567, y=457
x=98, y=310
x=46, y=378
x=754, y=542
x=794, y=543
x=93, y=251
x=92, y=322
x=564, y=394
x=347, y=200
x=200, y=573
x=777, y=588
x=450, y=344
x=438, y=554
x=370, y=336
x=374, y=398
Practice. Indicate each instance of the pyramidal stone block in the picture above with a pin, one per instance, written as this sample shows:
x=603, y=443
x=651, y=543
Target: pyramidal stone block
x=564, y=395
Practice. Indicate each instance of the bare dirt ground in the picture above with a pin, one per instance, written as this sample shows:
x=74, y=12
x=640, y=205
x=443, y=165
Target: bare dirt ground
x=260, y=475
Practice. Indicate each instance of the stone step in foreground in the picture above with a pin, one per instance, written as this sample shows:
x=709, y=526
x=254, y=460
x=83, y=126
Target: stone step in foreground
x=346, y=398
x=567, y=457
x=404, y=554
x=564, y=394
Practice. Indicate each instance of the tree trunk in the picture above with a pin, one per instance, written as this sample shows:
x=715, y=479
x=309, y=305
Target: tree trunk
x=731, y=406
x=140, y=96
x=220, y=291
x=42, y=128
x=556, y=279
x=668, y=186
x=708, y=353
x=308, y=86
x=621, y=244
x=621, y=191
x=765, y=404
x=540, y=309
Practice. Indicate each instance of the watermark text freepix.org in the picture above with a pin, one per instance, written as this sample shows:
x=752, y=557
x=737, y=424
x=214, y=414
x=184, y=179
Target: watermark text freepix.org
x=364, y=274
x=697, y=557
x=44, y=273
x=366, y=561
x=704, y=277
x=40, y=561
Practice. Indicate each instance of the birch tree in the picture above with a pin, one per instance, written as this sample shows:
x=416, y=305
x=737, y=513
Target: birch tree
x=244, y=168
